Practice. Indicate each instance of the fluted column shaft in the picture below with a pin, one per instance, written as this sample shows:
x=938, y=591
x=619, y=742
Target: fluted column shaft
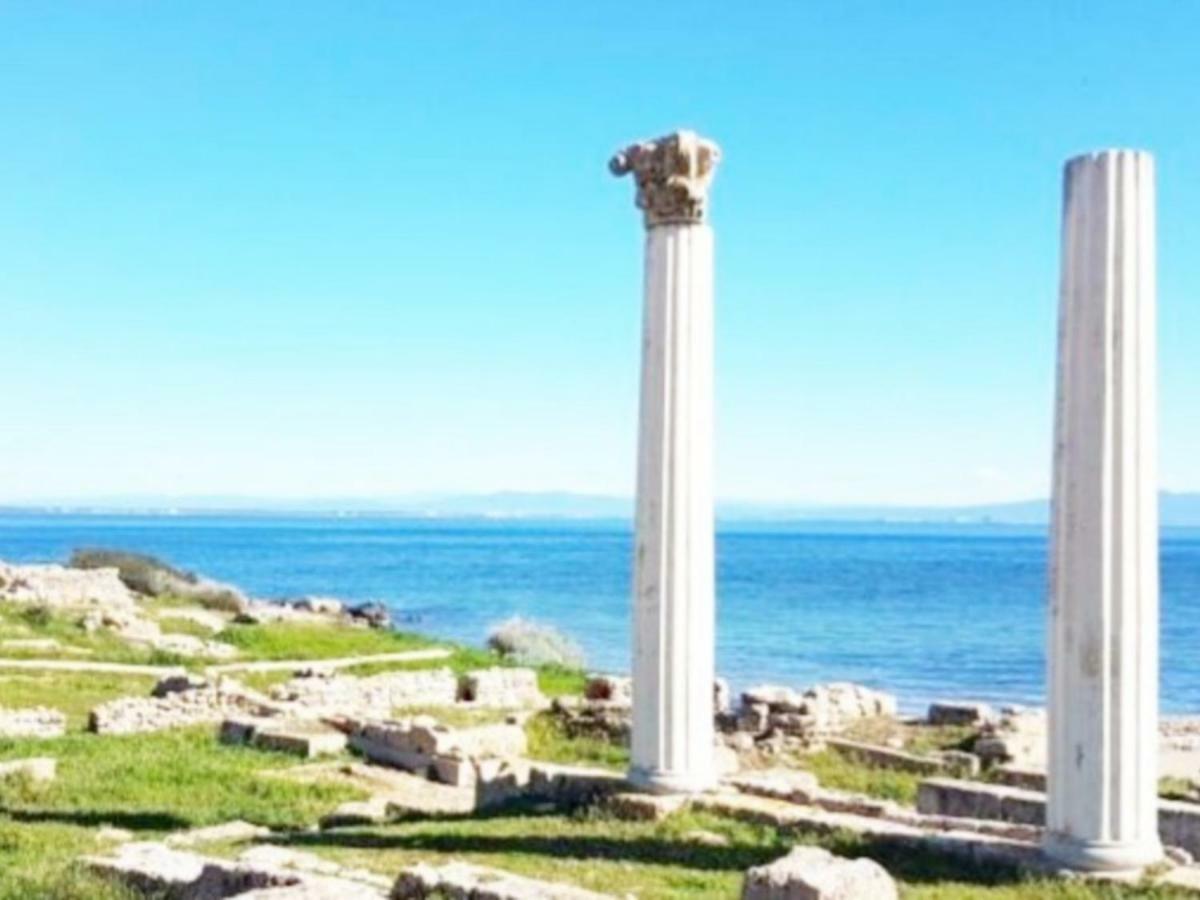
x=1103, y=628
x=673, y=615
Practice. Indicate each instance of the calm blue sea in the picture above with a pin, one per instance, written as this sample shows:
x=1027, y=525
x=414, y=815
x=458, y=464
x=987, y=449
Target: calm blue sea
x=924, y=611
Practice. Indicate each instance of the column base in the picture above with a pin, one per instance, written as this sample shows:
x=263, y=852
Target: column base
x=1101, y=856
x=658, y=781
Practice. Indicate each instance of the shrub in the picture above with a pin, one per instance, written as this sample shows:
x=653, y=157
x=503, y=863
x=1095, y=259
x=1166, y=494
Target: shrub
x=144, y=574
x=155, y=578
x=535, y=644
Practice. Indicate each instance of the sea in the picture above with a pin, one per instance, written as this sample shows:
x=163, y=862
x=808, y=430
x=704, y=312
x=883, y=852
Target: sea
x=924, y=611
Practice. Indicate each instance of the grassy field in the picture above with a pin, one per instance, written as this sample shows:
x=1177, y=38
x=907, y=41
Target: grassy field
x=154, y=784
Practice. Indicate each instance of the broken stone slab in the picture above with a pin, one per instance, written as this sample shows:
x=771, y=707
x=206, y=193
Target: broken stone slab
x=501, y=688
x=639, y=807
x=886, y=757
x=572, y=785
x=241, y=729
x=1017, y=737
x=177, y=709
x=32, y=722
x=35, y=768
x=918, y=833
x=421, y=744
x=956, y=712
x=812, y=873
x=306, y=739
x=1020, y=777
x=235, y=831
x=155, y=869
x=960, y=763
x=794, y=785
x=977, y=800
x=372, y=696
x=150, y=868
x=466, y=880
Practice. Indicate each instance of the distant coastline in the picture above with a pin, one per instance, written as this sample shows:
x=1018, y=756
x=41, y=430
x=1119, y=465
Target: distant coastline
x=1177, y=509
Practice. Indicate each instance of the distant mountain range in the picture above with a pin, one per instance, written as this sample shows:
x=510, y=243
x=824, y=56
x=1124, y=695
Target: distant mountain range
x=1178, y=509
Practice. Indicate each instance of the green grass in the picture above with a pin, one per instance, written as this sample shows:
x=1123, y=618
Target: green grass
x=179, y=625
x=549, y=741
x=661, y=860
x=149, y=784
x=291, y=640
x=836, y=771
x=73, y=693
x=555, y=681
x=99, y=646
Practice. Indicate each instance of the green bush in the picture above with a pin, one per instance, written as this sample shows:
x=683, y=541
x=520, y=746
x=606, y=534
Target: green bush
x=155, y=578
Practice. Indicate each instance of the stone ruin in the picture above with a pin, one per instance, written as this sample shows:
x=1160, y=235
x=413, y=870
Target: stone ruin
x=32, y=722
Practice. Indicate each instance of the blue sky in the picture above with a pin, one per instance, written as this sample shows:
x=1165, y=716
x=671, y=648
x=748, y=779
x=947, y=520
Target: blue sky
x=316, y=249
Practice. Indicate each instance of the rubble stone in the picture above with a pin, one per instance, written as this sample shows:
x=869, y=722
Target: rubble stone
x=502, y=688
x=812, y=873
x=32, y=722
x=952, y=712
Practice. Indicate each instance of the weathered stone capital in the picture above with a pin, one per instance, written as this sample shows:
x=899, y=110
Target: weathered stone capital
x=673, y=174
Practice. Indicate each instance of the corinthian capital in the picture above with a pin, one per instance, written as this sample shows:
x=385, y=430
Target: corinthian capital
x=672, y=174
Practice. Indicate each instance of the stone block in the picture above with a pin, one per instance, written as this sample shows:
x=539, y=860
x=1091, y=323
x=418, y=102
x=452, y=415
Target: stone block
x=885, y=757
x=241, y=729
x=502, y=688
x=572, y=785
x=953, y=712
x=466, y=880
x=811, y=873
x=639, y=807
x=960, y=763
x=976, y=800
x=304, y=739
x=32, y=722
x=1179, y=825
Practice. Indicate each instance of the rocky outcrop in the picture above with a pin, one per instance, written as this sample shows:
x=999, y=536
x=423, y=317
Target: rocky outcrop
x=60, y=587
x=32, y=722
x=811, y=873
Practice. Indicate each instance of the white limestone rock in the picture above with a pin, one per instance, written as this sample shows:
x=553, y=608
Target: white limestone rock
x=502, y=688
x=466, y=880
x=32, y=722
x=60, y=587
x=811, y=873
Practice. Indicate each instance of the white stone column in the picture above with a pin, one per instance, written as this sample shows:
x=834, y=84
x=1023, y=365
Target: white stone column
x=673, y=615
x=1103, y=628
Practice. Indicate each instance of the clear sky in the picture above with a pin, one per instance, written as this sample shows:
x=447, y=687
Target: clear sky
x=316, y=249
